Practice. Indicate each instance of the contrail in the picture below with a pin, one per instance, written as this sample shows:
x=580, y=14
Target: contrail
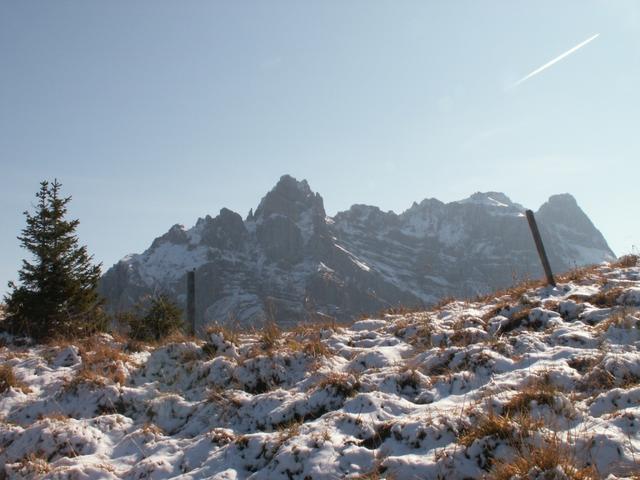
x=555, y=60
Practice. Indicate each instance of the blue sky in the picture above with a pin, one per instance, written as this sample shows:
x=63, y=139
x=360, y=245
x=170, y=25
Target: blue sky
x=153, y=113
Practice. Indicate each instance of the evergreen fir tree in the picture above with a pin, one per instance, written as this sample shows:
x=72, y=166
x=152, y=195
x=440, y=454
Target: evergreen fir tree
x=57, y=295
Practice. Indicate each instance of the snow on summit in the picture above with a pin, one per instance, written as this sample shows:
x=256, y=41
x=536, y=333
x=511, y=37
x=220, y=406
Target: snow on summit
x=378, y=259
x=530, y=383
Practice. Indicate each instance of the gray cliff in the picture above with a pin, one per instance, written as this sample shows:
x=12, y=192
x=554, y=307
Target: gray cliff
x=288, y=261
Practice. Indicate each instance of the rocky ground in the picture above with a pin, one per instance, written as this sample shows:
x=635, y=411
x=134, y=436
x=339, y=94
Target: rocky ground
x=532, y=383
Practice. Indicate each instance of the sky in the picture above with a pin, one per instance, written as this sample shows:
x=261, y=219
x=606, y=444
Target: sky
x=153, y=113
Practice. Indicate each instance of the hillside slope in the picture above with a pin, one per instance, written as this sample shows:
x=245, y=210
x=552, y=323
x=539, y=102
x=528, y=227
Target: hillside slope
x=289, y=261
x=536, y=382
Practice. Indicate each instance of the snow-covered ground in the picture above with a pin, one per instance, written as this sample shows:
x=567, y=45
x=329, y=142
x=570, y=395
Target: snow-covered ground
x=533, y=383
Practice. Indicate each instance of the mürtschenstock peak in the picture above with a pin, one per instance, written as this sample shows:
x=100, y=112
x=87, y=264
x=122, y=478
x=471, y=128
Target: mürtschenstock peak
x=288, y=261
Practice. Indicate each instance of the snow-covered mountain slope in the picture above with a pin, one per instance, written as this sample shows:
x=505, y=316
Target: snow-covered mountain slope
x=289, y=260
x=535, y=383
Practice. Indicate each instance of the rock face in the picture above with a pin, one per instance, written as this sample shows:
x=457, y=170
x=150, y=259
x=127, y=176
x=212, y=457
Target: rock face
x=288, y=261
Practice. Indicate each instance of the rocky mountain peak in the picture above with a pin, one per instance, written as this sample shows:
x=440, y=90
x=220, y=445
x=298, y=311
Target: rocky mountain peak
x=226, y=231
x=287, y=259
x=490, y=199
x=564, y=210
x=175, y=235
x=290, y=198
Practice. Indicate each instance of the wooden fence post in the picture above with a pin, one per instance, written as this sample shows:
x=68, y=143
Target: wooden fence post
x=540, y=247
x=191, y=300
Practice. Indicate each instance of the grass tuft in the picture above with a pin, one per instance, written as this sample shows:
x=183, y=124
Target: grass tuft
x=9, y=380
x=552, y=460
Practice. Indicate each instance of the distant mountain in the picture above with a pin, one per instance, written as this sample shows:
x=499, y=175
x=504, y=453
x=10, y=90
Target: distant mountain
x=289, y=261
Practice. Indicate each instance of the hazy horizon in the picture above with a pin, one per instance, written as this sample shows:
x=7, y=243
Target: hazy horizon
x=152, y=114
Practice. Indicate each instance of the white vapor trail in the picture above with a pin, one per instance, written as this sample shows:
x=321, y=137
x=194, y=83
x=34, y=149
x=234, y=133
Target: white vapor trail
x=555, y=60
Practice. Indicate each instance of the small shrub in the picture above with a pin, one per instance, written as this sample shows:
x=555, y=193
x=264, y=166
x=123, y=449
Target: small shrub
x=162, y=319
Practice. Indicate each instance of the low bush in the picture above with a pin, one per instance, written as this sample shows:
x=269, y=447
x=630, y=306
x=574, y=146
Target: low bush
x=159, y=320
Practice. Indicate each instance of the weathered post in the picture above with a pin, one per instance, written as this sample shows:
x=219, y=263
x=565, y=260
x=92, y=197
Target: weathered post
x=191, y=300
x=540, y=247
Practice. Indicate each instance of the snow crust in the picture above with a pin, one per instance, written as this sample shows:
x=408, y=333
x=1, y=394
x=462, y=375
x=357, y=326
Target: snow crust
x=399, y=396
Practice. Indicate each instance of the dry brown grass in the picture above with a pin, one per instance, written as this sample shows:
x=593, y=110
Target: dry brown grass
x=399, y=310
x=584, y=363
x=544, y=462
x=497, y=309
x=57, y=416
x=270, y=336
x=443, y=302
x=514, y=292
x=587, y=273
x=490, y=424
x=541, y=391
x=223, y=398
x=32, y=466
x=343, y=384
x=9, y=380
x=377, y=473
x=424, y=332
x=621, y=318
x=152, y=429
x=227, y=334
x=626, y=261
x=83, y=377
x=312, y=346
x=103, y=359
x=513, y=430
x=516, y=320
x=410, y=377
x=606, y=297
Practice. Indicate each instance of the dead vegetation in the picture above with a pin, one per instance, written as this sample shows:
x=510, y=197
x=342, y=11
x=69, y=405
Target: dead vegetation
x=606, y=298
x=343, y=384
x=312, y=345
x=553, y=459
x=589, y=273
x=514, y=292
x=9, y=380
x=489, y=425
x=269, y=336
x=227, y=334
x=540, y=391
x=626, y=261
x=623, y=317
x=103, y=359
x=31, y=465
x=85, y=377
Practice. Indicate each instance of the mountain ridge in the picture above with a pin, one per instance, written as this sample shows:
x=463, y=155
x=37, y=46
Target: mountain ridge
x=289, y=260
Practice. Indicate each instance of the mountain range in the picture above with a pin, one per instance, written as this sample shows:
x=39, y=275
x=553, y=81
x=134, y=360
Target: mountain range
x=288, y=261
